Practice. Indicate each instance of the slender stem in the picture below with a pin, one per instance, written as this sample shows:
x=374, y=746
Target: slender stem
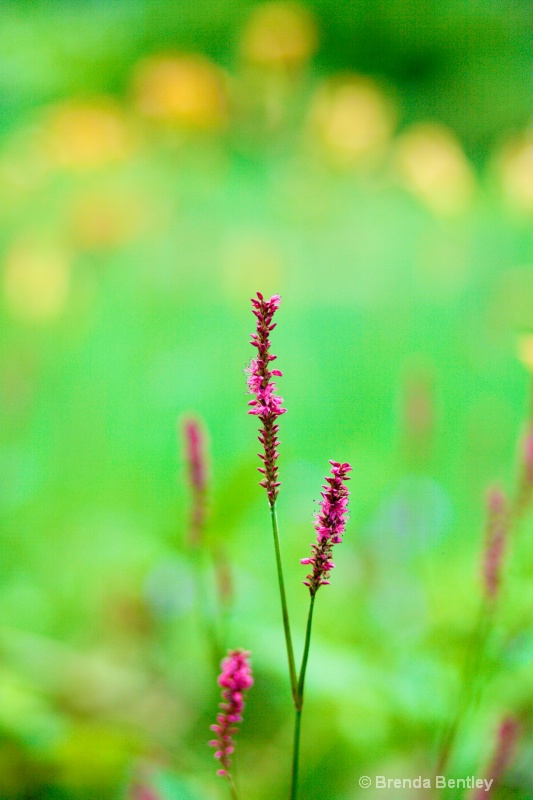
x=284, y=608
x=470, y=670
x=305, y=657
x=300, y=702
x=296, y=754
x=205, y=612
x=232, y=788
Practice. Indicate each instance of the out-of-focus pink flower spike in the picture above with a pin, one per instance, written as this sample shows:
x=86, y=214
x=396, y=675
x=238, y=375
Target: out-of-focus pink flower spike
x=504, y=752
x=235, y=680
x=195, y=441
x=497, y=532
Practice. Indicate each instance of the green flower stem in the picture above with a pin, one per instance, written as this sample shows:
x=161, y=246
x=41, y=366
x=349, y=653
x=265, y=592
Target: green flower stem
x=470, y=672
x=233, y=790
x=284, y=608
x=204, y=610
x=299, y=703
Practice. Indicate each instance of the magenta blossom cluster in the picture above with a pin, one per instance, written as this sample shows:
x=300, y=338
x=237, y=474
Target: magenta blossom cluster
x=267, y=405
x=497, y=530
x=329, y=525
x=235, y=679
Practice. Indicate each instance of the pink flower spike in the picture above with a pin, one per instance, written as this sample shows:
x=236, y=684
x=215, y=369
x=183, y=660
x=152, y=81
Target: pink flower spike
x=496, y=539
x=266, y=405
x=235, y=680
x=330, y=525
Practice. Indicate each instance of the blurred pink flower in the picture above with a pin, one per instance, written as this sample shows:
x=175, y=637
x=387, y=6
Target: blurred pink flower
x=504, y=751
x=195, y=453
x=141, y=791
x=235, y=679
x=496, y=538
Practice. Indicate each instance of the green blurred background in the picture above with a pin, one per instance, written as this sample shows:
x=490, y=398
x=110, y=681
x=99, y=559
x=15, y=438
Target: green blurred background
x=160, y=162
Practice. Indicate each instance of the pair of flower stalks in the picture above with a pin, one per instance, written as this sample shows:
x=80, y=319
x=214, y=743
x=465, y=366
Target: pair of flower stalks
x=330, y=523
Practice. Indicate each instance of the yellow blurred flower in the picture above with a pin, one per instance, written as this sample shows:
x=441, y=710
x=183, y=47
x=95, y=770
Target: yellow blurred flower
x=525, y=350
x=515, y=166
x=431, y=164
x=352, y=119
x=36, y=280
x=185, y=90
x=279, y=34
x=78, y=134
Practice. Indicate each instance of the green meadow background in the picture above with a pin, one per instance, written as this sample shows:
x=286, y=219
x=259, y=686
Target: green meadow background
x=160, y=162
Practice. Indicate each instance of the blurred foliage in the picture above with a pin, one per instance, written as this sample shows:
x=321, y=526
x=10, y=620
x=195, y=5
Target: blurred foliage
x=159, y=163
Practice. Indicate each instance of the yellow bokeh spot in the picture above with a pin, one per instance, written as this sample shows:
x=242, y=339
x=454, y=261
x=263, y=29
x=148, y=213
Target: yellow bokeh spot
x=431, y=164
x=36, y=281
x=516, y=172
x=352, y=119
x=185, y=90
x=279, y=35
x=79, y=134
x=525, y=350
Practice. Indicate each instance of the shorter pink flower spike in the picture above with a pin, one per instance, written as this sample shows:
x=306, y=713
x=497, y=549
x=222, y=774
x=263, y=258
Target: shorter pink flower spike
x=329, y=525
x=496, y=539
x=235, y=680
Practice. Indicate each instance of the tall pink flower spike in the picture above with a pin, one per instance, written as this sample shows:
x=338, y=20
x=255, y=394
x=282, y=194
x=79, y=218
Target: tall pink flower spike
x=266, y=405
x=235, y=679
x=330, y=525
